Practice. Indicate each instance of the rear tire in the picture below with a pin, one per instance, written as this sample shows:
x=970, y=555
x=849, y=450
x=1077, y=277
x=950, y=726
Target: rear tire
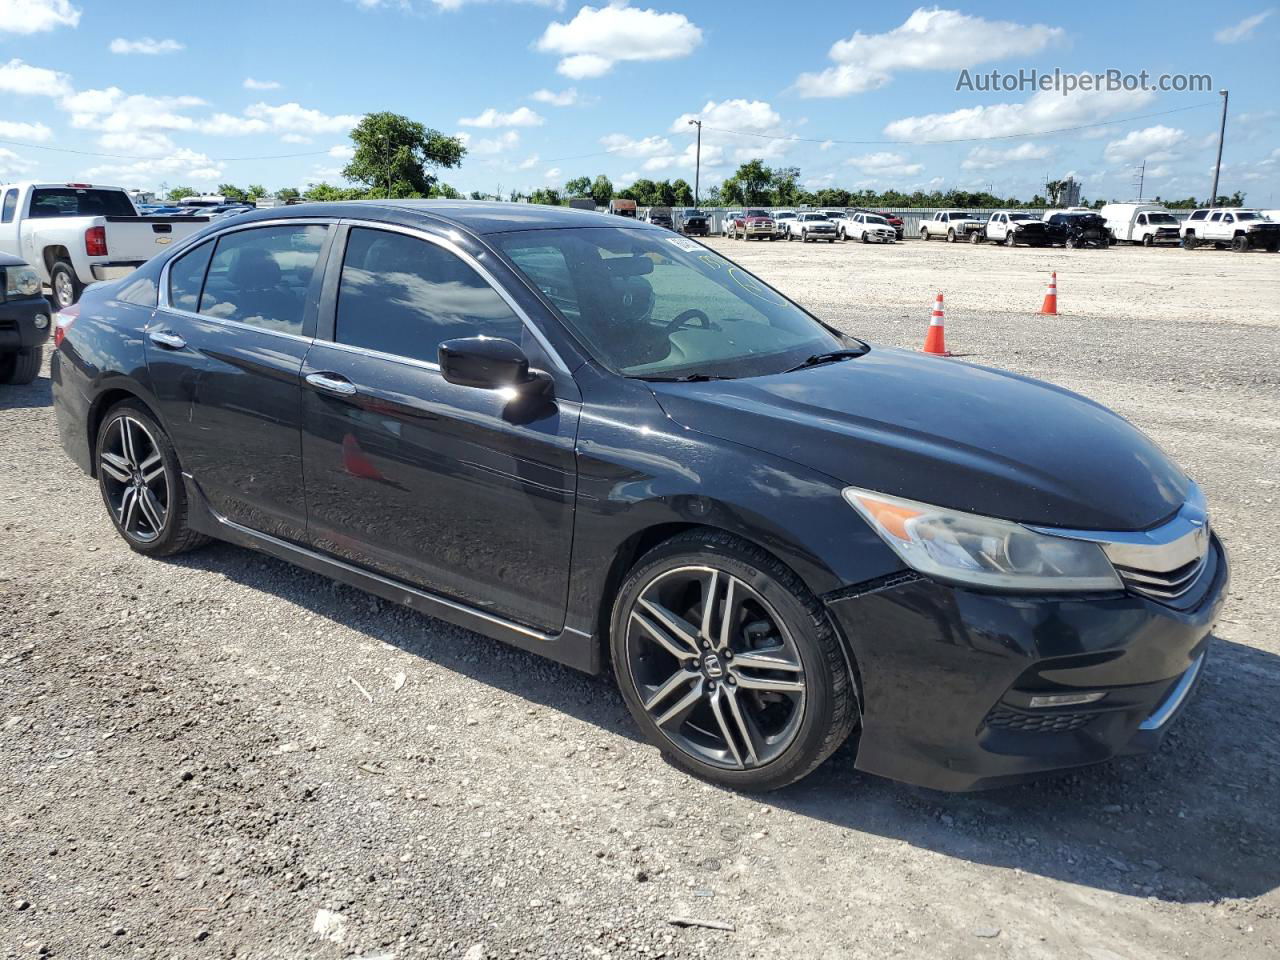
x=65, y=284
x=22, y=367
x=141, y=483
x=710, y=711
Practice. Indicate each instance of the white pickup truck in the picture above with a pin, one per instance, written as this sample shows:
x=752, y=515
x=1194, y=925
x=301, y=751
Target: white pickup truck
x=74, y=234
x=1230, y=226
x=952, y=224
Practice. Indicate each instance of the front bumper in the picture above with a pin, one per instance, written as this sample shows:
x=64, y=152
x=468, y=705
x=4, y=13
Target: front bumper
x=19, y=326
x=948, y=674
x=752, y=230
x=114, y=271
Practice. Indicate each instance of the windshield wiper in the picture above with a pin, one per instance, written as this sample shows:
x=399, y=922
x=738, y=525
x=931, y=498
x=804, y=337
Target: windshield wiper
x=833, y=356
x=688, y=378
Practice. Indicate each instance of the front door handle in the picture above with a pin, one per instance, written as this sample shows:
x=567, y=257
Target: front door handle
x=332, y=383
x=170, y=341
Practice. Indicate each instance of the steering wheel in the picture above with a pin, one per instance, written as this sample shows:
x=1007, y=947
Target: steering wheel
x=685, y=317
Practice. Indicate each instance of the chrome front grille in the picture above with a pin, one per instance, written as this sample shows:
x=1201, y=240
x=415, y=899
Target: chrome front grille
x=1163, y=585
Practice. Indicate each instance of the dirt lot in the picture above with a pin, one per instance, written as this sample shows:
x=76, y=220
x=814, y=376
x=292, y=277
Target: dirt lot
x=226, y=756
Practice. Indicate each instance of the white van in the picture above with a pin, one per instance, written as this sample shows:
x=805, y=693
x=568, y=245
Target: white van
x=1144, y=223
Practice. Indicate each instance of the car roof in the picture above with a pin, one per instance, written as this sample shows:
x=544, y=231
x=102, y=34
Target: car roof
x=475, y=216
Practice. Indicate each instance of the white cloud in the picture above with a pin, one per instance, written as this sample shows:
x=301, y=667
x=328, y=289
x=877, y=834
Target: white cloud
x=145, y=45
x=295, y=118
x=1152, y=143
x=565, y=98
x=728, y=127
x=625, y=146
x=252, y=84
x=142, y=143
x=13, y=130
x=342, y=151
x=491, y=118
x=686, y=159
x=1044, y=111
x=626, y=179
x=552, y=174
x=35, y=16
x=294, y=138
x=989, y=158
x=489, y=147
x=597, y=38
x=181, y=164
x=528, y=163
x=885, y=162
x=1242, y=30
x=113, y=111
x=11, y=164
x=230, y=125
x=929, y=39
x=19, y=77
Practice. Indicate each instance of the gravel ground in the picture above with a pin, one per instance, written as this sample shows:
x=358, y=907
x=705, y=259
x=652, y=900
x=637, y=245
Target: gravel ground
x=225, y=756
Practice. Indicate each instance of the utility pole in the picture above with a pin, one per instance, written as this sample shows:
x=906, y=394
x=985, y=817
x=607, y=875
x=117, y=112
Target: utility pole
x=697, y=164
x=1222, y=132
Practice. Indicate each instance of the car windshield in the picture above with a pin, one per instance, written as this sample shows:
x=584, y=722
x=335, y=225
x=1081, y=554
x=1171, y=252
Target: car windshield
x=1021, y=216
x=814, y=216
x=1161, y=218
x=757, y=213
x=872, y=218
x=80, y=202
x=649, y=305
x=963, y=216
x=786, y=215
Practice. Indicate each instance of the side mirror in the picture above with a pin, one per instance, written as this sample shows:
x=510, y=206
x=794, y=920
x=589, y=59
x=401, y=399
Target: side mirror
x=489, y=363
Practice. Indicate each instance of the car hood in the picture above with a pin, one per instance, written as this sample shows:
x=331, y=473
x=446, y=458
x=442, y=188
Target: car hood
x=948, y=433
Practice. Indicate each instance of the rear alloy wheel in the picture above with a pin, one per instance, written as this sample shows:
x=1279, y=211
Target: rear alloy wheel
x=140, y=483
x=64, y=283
x=728, y=663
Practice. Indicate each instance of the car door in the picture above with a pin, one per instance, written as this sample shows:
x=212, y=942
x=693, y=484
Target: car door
x=224, y=348
x=464, y=492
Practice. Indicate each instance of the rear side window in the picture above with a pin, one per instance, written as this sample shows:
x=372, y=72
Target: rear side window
x=261, y=276
x=79, y=202
x=186, y=277
x=404, y=296
x=10, y=204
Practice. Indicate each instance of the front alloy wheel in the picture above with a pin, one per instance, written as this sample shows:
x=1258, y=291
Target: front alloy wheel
x=718, y=658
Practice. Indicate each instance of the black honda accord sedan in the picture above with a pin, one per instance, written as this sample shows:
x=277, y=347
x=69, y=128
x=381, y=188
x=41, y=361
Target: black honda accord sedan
x=605, y=443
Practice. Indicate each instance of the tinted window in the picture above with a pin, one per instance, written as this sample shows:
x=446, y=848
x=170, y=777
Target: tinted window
x=405, y=296
x=186, y=277
x=10, y=204
x=80, y=202
x=1198, y=215
x=261, y=276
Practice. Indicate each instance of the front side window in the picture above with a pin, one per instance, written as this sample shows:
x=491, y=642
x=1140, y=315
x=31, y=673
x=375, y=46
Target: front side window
x=186, y=277
x=10, y=204
x=665, y=308
x=261, y=276
x=1142, y=219
x=404, y=296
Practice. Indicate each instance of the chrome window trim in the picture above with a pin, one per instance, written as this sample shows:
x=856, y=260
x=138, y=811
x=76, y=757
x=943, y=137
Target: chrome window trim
x=470, y=261
x=213, y=237
x=1160, y=716
x=380, y=355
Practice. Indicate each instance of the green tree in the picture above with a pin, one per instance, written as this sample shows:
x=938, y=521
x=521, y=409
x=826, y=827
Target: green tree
x=602, y=190
x=683, y=193
x=547, y=195
x=326, y=193
x=255, y=191
x=443, y=191
x=784, y=186
x=233, y=193
x=749, y=184
x=578, y=187
x=397, y=157
x=179, y=193
x=285, y=194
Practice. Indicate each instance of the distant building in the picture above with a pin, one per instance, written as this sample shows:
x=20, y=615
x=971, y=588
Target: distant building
x=1070, y=193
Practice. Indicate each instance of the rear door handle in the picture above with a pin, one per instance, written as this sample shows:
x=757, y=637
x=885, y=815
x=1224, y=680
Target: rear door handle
x=332, y=383
x=170, y=341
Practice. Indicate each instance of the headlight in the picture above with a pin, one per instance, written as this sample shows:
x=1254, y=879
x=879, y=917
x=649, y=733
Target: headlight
x=981, y=551
x=21, y=282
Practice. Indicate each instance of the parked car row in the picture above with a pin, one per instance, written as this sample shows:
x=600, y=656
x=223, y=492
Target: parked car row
x=805, y=225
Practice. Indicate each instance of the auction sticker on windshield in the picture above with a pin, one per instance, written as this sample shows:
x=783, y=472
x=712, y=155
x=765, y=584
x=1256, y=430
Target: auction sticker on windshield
x=688, y=246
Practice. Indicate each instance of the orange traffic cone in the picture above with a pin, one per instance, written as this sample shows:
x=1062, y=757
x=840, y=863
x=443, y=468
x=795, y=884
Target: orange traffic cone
x=935, y=340
x=1051, y=296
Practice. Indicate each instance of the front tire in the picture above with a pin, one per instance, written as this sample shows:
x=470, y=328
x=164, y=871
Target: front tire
x=65, y=284
x=1009, y=241
x=951, y=235
x=1240, y=244
x=729, y=664
x=141, y=483
x=22, y=367
x=1190, y=242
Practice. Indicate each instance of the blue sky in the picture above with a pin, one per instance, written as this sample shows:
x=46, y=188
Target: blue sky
x=197, y=94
